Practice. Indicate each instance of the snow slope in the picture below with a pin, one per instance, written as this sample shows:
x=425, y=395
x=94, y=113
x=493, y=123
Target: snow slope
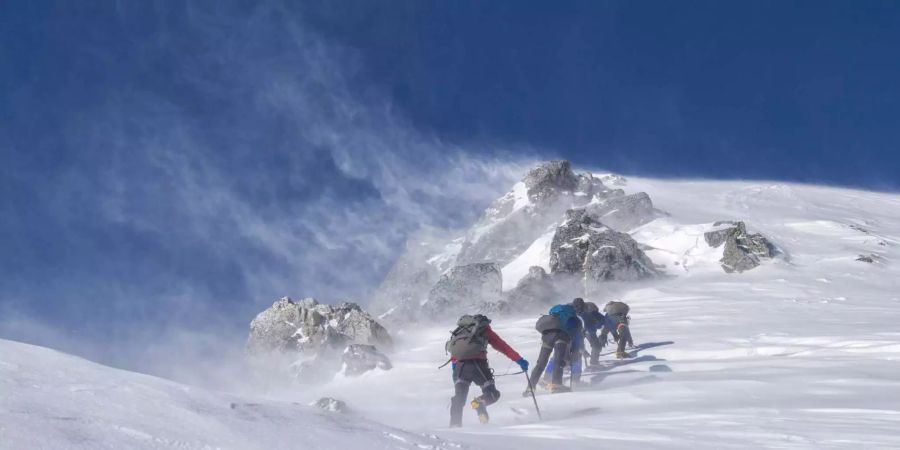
x=49, y=400
x=801, y=352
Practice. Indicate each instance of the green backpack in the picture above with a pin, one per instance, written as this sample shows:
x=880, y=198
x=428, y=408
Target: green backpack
x=468, y=341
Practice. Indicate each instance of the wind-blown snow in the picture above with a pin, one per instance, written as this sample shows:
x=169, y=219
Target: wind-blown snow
x=520, y=194
x=800, y=352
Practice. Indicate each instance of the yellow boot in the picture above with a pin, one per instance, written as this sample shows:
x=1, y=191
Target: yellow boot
x=558, y=388
x=481, y=409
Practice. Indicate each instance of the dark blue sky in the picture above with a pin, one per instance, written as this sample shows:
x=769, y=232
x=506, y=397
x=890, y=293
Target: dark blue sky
x=172, y=166
x=787, y=90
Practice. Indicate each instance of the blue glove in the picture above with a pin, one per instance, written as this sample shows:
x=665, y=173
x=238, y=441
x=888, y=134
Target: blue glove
x=523, y=364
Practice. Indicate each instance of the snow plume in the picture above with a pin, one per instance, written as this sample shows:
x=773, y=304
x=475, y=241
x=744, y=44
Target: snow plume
x=261, y=166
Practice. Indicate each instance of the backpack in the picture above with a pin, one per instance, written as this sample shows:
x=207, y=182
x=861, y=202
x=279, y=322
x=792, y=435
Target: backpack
x=616, y=309
x=468, y=341
x=548, y=322
x=591, y=315
x=568, y=319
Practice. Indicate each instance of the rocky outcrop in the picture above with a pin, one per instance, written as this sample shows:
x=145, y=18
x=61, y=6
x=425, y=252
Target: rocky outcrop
x=552, y=179
x=624, y=212
x=515, y=220
x=331, y=405
x=360, y=358
x=309, y=327
x=306, y=340
x=743, y=251
x=585, y=247
x=463, y=289
x=871, y=258
x=535, y=289
x=440, y=275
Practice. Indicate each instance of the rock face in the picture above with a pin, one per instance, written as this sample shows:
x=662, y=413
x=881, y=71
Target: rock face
x=743, y=251
x=361, y=358
x=624, y=212
x=550, y=180
x=309, y=327
x=535, y=289
x=463, y=289
x=515, y=220
x=583, y=246
x=439, y=274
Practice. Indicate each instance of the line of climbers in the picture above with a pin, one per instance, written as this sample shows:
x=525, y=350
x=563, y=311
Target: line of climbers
x=563, y=332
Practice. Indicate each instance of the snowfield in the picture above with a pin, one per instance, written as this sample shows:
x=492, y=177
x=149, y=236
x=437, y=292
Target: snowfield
x=801, y=352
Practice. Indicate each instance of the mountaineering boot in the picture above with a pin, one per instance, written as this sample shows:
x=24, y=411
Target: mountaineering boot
x=558, y=388
x=622, y=355
x=481, y=409
x=528, y=392
x=544, y=383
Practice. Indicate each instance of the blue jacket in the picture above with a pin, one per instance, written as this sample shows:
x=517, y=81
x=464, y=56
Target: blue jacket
x=593, y=321
x=568, y=317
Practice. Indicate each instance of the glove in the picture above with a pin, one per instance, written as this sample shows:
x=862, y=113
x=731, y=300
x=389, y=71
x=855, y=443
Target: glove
x=523, y=364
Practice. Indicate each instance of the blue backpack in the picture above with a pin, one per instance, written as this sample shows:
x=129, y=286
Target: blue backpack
x=567, y=316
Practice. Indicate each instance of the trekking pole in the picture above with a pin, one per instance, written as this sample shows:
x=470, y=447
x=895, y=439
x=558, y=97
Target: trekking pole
x=533, y=398
x=572, y=376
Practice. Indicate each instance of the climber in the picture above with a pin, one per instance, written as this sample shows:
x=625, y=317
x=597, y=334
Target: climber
x=593, y=321
x=558, y=329
x=468, y=354
x=616, y=323
x=572, y=360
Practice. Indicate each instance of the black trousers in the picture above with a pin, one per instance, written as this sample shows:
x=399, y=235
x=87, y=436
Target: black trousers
x=596, y=345
x=557, y=343
x=467, y=372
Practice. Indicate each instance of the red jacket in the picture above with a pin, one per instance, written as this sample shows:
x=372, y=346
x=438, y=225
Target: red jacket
x=499, y=344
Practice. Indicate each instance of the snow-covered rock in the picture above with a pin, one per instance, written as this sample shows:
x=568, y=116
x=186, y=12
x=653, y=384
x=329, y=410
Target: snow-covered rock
x=514, y=232
x=331, y=405
x=361, y=358
x=585, y=247
x=306, y=339
x=552, y=179
x=611, y=179
x=535, y=289
x=871, y=258
x=623, y=212
x=464, y=289
x=743, y=251
x=509, y=226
